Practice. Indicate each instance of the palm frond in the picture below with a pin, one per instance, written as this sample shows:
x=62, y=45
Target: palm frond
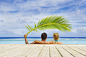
x=52, y=22
x=27, y=28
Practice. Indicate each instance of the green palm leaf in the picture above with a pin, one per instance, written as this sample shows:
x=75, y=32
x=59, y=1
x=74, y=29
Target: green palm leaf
x=51, y=22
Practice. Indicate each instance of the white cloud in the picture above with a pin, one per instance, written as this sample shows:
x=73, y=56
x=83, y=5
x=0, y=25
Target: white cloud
x=7, y=7
x=80, y=30
x=4, y=31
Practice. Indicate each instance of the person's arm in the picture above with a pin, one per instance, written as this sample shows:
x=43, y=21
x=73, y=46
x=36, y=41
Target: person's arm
x=53, y=42
x=46, y=42
x=41, y=42
x=59, y=43
x=25, y=36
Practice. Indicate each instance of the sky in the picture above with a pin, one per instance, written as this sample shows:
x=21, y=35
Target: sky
x=15, y=14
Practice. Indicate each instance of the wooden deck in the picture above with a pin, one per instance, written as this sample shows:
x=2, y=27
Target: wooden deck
x=42, y=50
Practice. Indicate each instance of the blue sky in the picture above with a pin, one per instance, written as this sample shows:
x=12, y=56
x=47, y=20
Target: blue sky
x=14, y=14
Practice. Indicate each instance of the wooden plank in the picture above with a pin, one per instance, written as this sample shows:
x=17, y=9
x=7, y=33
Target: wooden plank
x=45, y=51
x=26, y=51
x=81, y=47
x=6, y=50
x=63, y=52
x=54, y=52
x=35, y=52
x=78, y=50
x=42, y=50
x=20, y=50
x=74, y=53
x=10, y=52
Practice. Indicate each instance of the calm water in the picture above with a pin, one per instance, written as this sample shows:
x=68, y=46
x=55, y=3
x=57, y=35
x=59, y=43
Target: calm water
x=64, y=40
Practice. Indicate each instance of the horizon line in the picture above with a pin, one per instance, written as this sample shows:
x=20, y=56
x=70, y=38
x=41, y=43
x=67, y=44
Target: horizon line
x=47, y=37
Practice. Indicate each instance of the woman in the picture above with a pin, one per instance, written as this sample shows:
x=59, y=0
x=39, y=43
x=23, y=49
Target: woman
x=56, y=38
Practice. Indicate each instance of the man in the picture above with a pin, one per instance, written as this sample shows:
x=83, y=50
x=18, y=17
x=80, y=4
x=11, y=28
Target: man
x=43, y=40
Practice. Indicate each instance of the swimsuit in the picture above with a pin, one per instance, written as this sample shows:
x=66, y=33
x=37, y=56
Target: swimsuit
x=56, y=41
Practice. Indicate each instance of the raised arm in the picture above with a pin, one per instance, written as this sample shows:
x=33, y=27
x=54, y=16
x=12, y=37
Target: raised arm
x=25, y=36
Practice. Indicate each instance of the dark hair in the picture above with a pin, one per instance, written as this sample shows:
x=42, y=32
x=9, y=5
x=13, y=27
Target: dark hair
x=43, y=35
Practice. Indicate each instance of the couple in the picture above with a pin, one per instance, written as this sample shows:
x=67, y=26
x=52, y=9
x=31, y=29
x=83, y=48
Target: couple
x=43, y=39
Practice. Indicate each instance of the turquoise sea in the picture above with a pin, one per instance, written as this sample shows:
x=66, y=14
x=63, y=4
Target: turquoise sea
x=64, y=40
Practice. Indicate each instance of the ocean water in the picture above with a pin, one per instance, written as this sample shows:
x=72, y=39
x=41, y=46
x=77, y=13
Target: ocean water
x=21, y=40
